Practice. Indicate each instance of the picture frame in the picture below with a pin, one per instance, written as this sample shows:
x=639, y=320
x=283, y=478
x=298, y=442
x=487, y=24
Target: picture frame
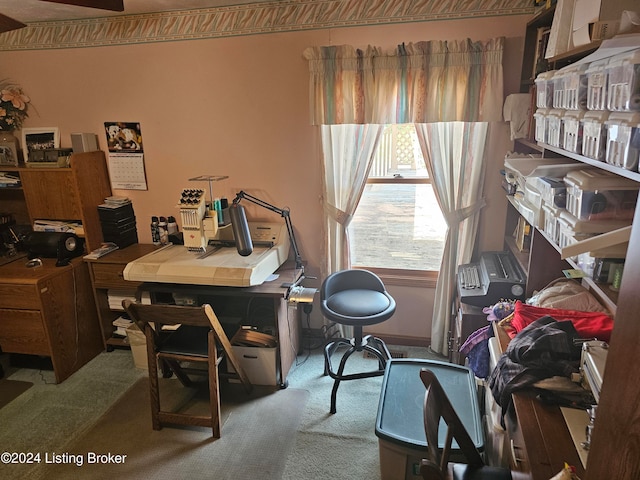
x=9, y=150
x=39, y=139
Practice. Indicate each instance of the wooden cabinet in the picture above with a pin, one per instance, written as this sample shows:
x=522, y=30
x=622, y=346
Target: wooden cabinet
x=49, y=311
x=106, y=274
x=69, y=193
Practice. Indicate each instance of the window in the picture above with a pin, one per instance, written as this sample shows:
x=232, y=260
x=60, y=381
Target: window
x=398, y=224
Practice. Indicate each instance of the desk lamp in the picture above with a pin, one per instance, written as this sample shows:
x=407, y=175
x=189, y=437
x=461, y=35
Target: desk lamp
x=244, y=244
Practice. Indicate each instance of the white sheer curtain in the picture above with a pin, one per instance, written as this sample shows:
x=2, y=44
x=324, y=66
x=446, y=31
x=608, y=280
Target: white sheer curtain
x=347, y=155
x=454, y=87
x=454, y=154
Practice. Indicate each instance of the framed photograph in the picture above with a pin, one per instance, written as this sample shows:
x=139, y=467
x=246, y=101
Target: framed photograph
x=8, y=150
x=39, y=139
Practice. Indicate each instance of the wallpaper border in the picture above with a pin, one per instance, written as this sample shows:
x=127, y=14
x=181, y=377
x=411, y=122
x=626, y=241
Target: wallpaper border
x=251, y=19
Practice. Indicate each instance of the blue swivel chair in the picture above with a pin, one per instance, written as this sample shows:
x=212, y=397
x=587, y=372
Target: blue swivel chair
x=357, y=298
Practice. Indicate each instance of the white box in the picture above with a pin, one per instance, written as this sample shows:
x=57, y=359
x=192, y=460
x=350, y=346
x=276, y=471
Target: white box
x=259, y=363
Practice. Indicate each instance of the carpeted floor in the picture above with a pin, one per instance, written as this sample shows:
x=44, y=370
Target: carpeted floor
x=291, y=429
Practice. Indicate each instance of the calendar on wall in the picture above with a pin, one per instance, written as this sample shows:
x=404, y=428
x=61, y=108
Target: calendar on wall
x=126, y=155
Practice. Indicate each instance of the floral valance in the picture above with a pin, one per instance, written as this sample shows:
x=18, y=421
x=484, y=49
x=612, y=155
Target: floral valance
x=423, y=82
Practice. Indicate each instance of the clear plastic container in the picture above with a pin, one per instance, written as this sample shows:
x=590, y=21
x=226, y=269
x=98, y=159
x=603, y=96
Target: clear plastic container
x=558, y=89
x=598, y=195
x=555, y=127
x=623, y=140
x=551, y=225
x=623, y=92
x=572, y=130
x=544, y=89
x=575, y=87
x=597, y=85
x=594, y=134
x=552, y=190
x=540, y=118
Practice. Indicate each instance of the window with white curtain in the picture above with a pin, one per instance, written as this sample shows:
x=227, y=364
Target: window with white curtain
x=398, y=224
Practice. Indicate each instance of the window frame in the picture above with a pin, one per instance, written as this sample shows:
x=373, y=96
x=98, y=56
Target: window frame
x=403, y=276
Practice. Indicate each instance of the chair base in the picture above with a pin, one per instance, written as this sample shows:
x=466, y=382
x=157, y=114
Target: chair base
x=368, y=343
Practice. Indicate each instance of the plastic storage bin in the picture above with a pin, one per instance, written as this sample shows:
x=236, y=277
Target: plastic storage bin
x=555, y=127
x=598, y=195
x=558, y=89
x=551, y=225
x=594, y=134
x=597, y=85
x=552, y=190
x=575, y=87
x=540, y=131
x=623, y=72
x=623, y=140
x=572, y=130
x=544, y=89
x=400, y=421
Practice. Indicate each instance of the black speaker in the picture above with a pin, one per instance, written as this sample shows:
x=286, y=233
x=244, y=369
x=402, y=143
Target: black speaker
x=63, y=246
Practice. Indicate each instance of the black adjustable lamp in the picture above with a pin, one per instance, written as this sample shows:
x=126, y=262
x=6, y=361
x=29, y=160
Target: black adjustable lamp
x=240, y=226
x=296, y=293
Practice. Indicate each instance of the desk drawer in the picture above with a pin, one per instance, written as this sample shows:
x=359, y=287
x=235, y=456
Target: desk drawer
x=19, y=296
x=22, y=331
x=517, y=452
x=110, y=275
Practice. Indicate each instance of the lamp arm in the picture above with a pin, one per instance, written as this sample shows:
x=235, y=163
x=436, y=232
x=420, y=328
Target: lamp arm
x=284, y=213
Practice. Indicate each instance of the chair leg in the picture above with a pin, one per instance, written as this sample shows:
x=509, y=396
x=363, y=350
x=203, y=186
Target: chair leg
x=154, y=391
x=214, y=387
x=336, y=383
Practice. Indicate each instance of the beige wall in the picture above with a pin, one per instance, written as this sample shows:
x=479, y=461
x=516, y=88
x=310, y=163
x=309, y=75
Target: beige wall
x=238, y=107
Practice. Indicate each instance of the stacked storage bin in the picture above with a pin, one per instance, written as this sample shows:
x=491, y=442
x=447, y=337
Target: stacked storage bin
x=593, y=109
x=544, y=102
x=597, y=202
x=623, y=98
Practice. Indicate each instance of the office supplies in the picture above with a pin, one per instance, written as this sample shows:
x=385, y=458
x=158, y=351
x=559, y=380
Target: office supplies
x=496, y=276
x=219, y=264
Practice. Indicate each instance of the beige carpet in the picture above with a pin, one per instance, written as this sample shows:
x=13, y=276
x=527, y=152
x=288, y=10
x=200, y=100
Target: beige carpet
x=12, y=389
x=249, y=447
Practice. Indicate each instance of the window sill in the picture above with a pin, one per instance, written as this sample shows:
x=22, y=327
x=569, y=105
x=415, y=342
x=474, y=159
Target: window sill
x=405, y=278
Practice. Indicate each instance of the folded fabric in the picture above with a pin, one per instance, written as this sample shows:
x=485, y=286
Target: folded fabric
x=588, y=324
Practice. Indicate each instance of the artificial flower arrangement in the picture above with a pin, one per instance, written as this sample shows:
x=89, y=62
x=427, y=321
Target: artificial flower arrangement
x=13, y=106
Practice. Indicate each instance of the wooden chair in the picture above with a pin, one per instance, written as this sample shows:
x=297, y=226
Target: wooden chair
x=436, y=466
x=200, y=338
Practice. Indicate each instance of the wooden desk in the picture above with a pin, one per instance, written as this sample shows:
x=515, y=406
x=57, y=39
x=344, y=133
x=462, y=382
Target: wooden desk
x=539, y=438
x=49, y=311
x=106, y=274
x=236, y=303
